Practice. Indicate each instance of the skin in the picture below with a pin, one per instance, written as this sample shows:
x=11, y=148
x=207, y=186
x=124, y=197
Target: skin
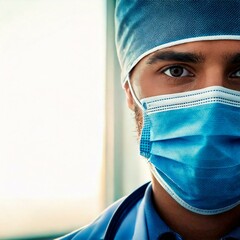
x=183, y=68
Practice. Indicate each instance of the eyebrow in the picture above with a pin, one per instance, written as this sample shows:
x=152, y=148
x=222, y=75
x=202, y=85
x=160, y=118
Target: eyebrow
x=235, y=59
x=175, y=56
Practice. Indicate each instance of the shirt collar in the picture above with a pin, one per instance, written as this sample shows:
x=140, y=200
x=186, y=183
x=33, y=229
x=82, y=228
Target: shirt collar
x=156, y=227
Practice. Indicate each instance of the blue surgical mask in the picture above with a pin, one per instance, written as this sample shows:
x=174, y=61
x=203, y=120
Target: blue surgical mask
x=192, y=142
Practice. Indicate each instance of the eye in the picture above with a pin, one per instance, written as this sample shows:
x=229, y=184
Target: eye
x=235, y=74
x=177, y=71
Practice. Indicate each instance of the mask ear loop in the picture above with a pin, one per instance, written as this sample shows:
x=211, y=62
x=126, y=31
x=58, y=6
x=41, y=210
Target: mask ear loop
x=144, y=153
x=137, y=101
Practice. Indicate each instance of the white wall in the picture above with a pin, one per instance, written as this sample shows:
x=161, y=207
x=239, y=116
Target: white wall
x=52, y=75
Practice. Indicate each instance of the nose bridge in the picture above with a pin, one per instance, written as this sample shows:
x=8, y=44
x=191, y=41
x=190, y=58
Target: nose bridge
x=214, y=75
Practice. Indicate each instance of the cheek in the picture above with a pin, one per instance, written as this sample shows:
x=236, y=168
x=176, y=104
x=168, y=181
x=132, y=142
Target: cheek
x=143, y=86
x=147, y=83
x=148, y=87
x=141, y=81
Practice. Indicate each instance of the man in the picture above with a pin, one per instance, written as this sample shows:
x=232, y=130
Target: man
x=181, y=73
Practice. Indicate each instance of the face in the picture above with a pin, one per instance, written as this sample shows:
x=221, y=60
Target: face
x=185, y=67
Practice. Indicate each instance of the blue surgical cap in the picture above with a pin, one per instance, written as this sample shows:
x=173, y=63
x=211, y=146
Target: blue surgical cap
x=144, y=26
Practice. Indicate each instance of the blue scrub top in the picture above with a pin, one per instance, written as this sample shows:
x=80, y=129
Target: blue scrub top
x=140, y=222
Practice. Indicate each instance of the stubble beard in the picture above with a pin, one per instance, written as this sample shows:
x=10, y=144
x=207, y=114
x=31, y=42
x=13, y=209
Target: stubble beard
x=139, y=120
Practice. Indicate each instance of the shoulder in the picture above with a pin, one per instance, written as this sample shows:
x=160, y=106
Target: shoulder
x=97, y=228
x=127, y=207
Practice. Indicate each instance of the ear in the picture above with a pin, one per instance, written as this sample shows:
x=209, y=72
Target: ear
x=130, y=100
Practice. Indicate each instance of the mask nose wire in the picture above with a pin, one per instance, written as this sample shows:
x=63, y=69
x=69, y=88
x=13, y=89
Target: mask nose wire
x=135, y=98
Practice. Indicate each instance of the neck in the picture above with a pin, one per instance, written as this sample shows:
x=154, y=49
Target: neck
x=192, y=226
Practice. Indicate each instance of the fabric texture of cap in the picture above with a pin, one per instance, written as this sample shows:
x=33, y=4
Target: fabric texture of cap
x=144, y=26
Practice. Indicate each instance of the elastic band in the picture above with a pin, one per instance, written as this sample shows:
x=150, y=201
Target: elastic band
x=137, y=101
